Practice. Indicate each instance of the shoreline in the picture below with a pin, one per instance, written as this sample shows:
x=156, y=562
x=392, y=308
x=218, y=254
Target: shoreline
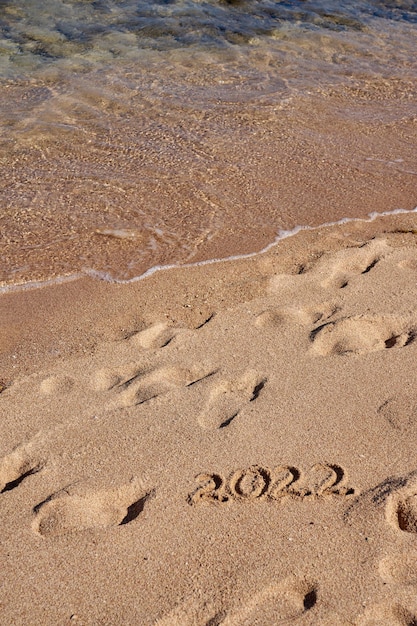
x=58, y=309
x=282, y=234
x=238, y=177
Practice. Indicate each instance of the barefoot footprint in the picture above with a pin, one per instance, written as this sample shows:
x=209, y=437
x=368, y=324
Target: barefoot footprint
x=335, y=270
x=17, y=466
x=386, y=614
x=280, y=601
x=157, y=336
x=401, y=510
x=65, y=512
x=399, y=569
x=136, y=384
x=227, y=399
x=191, y=612
x=361, y=334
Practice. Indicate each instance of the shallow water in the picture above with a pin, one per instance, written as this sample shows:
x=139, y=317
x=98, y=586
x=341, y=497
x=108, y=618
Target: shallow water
x=137, y=134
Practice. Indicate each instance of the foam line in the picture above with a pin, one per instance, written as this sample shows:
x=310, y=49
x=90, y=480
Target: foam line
x=282, y=234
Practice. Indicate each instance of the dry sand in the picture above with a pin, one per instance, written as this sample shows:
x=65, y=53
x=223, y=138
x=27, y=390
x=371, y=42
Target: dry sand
x=230, y=444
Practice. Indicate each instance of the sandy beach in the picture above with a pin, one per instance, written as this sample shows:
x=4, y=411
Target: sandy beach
x=208, y=340
x=224, y=444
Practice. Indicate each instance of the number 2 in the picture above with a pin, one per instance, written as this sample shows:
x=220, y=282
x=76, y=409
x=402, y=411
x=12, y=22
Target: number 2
x=210, y=489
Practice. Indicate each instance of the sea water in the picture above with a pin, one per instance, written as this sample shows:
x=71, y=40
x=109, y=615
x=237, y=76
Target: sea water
x=136, y=134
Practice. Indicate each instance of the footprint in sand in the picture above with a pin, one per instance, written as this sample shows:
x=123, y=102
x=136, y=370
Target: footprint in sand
x=56, y=385
x=397, y=497
x=275, y=318
x=401, y=505
x=17, y=466
x=335, y=270
x=108, y=378
x=192, y=612
x=386, y=614
x=399, y=569
x=227, y=399
x=65, y=512
x=134, y=385
x=400, y=412
x=361, y=334
x=156, y=336
x=279, y=602
x=402, y=510
x=387, y=495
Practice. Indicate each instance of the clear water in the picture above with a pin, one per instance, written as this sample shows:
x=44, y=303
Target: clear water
x=141, y=133
x=81, y=35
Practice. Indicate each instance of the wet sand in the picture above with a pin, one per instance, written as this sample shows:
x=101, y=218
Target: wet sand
x=118, y=186
x=229, y=444
x=223, y=444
